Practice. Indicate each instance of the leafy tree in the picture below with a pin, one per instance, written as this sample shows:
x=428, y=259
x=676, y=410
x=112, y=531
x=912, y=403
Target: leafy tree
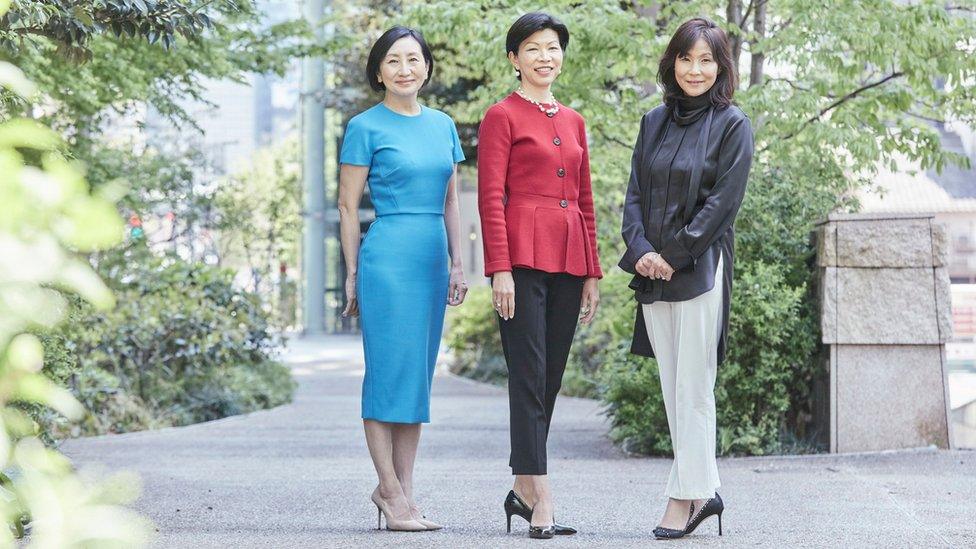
x=833, y=90
x=93, y=58
x=47, y=214
x=71, y=24
x=260, y=215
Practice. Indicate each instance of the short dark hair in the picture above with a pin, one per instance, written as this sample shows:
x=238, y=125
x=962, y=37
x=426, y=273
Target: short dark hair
x=531, y=23
x=383, y=45
x=721, y=92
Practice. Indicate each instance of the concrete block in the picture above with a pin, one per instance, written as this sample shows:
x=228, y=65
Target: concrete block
x=887, y=397
x=902, y=243
x=828, y=304
x=827, y=245
x=943, y=302
x=871, y=306
x=940, y=245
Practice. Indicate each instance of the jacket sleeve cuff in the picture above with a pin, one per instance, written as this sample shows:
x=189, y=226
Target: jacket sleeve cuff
x=493, y=267
x=676, y=255
x=633, y=254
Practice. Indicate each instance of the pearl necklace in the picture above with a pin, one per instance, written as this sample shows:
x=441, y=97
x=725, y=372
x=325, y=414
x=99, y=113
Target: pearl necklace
x=550, y=111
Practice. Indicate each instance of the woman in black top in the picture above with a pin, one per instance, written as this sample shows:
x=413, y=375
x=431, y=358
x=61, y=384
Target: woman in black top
x=688, y=178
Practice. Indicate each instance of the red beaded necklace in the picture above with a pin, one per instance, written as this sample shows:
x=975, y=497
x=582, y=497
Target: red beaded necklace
x=548, y=111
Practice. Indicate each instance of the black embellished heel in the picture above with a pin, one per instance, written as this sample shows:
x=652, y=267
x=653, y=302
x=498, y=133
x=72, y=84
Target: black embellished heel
x=542, y=532
x=668, y=533
x=514, y=505
x=713, y=506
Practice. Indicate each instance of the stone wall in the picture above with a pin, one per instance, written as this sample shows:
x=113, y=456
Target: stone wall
x=885, y=317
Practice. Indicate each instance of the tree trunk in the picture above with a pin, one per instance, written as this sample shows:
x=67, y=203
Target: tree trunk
x=758, y=57
x=733, y=13
x=651, y=12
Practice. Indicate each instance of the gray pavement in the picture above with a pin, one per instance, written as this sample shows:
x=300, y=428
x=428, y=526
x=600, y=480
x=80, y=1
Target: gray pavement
x=300, y=476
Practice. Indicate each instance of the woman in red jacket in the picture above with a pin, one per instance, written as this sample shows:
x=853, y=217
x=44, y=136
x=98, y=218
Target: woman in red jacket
x=539, y=234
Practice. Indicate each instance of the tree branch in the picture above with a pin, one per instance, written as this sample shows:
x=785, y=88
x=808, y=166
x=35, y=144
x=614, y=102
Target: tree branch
x=617, y=140
x=789, y=82
x=783, y=26
x=839, y=102
x=926, y=118
x=745, y=14
x=855, y=93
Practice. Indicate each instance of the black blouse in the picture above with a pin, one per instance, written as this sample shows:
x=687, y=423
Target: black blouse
x=688, y=178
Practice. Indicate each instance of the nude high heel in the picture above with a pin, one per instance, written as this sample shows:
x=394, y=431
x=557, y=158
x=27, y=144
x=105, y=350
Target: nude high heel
x=393, y=523
x=430, y=525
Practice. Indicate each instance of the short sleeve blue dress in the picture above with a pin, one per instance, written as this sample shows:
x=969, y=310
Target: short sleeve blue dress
x=403, y=261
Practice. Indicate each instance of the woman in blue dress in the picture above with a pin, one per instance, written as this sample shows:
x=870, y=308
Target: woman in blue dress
x=398, y=277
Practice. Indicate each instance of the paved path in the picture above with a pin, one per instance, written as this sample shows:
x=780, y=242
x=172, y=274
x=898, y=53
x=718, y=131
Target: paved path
x=300, y=476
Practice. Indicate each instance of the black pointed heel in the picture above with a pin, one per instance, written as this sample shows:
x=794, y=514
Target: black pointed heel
x=514, y=505
x=713, y=506
x=668, y=533
x=542, y=532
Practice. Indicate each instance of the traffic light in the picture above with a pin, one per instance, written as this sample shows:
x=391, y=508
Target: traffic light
x=136, y=231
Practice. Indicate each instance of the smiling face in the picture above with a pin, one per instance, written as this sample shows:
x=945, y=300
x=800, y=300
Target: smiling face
x=696, y=70
x=403, y=70
x=540, y=58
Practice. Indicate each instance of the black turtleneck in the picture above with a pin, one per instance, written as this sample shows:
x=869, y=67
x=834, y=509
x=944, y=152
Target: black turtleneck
x=688, y=110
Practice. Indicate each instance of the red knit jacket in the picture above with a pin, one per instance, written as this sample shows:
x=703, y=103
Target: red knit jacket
x=534, y=192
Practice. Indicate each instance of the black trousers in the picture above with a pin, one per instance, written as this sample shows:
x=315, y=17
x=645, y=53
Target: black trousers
x=536, y=342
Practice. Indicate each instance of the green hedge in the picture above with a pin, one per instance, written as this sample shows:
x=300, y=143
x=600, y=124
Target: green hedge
x=753, y=391
x=181, y=346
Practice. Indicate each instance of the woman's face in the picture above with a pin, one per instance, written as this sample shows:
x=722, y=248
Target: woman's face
x=696, y=70
x=404, y=70
x=540, y=58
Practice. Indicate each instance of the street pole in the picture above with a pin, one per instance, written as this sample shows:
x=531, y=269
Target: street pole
x=313, y=175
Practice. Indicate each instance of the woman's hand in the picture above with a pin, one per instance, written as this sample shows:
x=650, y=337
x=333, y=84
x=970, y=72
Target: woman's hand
x=590, y=301
x=503, y=294
x=652, y=265
x=352, y=303
x=458, y=288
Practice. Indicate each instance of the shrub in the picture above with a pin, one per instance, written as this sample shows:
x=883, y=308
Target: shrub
x=47, y=215
x=181, y=346
x=474, y=340
x=769, y=342
x=752, y=393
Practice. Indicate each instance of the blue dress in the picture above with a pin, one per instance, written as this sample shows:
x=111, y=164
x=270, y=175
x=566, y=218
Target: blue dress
x=403, y=261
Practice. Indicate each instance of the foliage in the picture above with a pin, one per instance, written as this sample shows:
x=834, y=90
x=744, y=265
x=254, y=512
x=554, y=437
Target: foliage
x=753, y=386
x=86, y=71
x=260, y=215
x=182, y=346
x=474, y=340
x=47, y=214
x=71, y=25
x=833, y=90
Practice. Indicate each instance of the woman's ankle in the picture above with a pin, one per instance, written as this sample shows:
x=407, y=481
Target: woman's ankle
x=525, y=492
x=542, y=513
x=390, y=492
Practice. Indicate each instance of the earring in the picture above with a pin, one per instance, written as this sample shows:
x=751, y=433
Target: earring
x=518, y=73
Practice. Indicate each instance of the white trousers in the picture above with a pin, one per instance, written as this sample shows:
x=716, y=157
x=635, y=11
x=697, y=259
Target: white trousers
x=685, y=336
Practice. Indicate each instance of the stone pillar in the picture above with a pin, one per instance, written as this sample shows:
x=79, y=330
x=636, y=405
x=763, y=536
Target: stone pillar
x=885, y=317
